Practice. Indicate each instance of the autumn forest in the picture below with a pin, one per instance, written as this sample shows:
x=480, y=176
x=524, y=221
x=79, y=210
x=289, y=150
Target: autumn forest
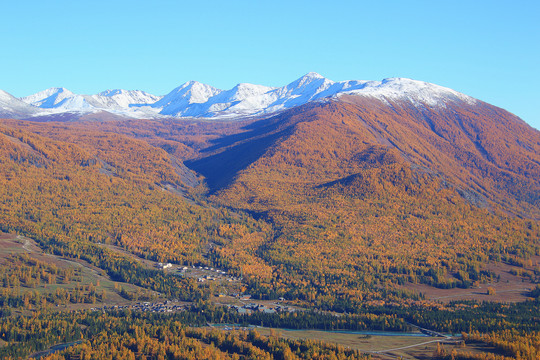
x=352, y=215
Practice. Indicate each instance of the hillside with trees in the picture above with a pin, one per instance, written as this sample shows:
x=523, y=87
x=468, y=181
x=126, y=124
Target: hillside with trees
x=337, y=206
x=352, y=208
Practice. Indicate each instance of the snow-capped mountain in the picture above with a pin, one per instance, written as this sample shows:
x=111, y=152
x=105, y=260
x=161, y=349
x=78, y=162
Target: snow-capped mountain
x=11, y=107
x=186, y=100
x=419, y=93
x=194, y=99
x=122, y=99
x=60, y=99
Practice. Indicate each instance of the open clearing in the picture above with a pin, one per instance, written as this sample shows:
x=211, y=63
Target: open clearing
x=383, y=347
x=511, y=287
x=86, y=273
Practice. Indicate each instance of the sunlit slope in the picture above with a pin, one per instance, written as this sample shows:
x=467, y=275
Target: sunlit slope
x=486, y=153
x=362, y=193
x=96, y=187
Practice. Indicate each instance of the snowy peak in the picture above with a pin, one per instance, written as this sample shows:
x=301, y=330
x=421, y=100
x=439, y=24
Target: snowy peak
x=117, y=101
x=417, y=92
x=240, y=93
x=244, y=91
x=193, y=91
x=50, y=98
x=311, y=83
x=185, y=99
x=307, y=79
x=194, y=99
x=10, y=106
x=5, y=96
x=137, y=96
x=119, y=98
x=310, y=77
x=313, y=75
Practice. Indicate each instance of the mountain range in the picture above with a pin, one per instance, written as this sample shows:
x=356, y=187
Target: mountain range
x=392, y=182
x=197, y=100
x=333, y=195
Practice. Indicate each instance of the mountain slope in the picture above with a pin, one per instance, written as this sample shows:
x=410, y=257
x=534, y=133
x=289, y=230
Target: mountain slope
x=354, y=196
x=377, y=189
x=457, y=143
x=76, y=188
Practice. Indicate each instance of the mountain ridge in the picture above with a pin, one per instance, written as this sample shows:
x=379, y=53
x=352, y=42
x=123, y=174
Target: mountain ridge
x=196, y=100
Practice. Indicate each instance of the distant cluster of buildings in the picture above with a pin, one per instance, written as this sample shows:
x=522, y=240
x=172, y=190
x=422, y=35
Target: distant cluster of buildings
x=202, y=273
x=208, y=273
x=174, y=306
x=156, y=307
x=164, y=266
x=248, y=297
x=252, y=307
x=208, y=269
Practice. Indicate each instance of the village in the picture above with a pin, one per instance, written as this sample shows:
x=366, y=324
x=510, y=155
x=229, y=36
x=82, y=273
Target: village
x=202, y=273
x=227, y=294
x=172, y=306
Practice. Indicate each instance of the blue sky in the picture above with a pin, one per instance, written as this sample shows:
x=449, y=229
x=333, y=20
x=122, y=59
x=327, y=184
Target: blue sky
x=486, y=49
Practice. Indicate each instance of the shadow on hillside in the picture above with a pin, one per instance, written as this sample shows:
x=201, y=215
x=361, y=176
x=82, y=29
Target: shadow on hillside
x=232, y=153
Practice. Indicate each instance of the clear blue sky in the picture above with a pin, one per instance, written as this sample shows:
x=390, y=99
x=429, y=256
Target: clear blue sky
x=486, y=49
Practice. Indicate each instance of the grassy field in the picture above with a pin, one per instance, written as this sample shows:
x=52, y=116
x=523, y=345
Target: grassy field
x=384, y=347
x=511, y=286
